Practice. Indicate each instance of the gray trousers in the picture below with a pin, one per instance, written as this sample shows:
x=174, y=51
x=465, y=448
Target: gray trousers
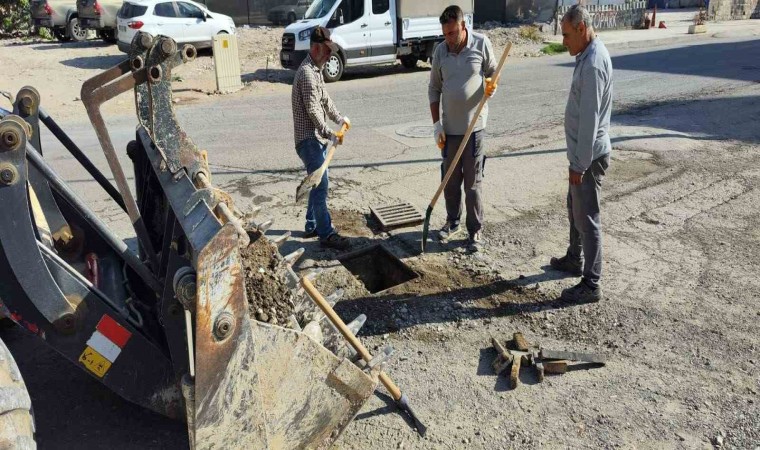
x=470, y=171
x=583, y=208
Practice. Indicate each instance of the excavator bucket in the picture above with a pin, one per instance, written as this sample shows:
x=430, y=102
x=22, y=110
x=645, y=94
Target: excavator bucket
x=259, y=385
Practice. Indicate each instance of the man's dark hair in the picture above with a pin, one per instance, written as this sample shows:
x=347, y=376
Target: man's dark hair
x=454, y=13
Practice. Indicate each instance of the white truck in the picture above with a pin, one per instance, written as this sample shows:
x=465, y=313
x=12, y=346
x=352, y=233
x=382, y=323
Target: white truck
x=370, y=32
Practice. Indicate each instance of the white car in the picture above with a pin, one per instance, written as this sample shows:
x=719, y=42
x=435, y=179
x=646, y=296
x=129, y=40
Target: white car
x=184, y=21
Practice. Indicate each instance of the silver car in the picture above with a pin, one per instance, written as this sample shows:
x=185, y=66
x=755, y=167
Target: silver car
x=288, y=12
x=60, y=16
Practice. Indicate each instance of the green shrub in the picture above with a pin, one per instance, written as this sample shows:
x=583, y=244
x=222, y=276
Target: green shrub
x=554, y=48
x=15, y=18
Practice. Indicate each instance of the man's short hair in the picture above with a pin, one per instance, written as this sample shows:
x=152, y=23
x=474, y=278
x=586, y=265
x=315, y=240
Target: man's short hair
x=454, y=13
x=577, y=14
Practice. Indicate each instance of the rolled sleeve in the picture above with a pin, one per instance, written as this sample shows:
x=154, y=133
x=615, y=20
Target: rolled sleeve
x=435, y=87
x=591, y=93
x=489, y=58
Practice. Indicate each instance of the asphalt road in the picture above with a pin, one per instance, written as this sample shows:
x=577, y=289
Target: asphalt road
x=253, y=135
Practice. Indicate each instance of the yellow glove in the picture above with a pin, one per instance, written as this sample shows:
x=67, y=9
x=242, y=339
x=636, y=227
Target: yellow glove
x=491, y=87
x=339, y=137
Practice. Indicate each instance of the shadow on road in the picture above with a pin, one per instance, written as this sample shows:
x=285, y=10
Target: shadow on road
x=693, y=60
x=94, y=62
x=498, y=299
x=700, y=119
x=73, y=410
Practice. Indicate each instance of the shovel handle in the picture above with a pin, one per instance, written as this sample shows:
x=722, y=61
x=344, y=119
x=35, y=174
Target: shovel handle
x=355, y=343
x=473, y=122
x=333, y=146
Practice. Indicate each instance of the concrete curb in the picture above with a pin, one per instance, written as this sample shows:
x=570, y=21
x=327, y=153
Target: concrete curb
x=682, y=39
x=675, y=39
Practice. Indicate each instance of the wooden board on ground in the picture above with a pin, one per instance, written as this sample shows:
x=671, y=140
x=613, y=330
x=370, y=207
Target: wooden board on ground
x=394, y=216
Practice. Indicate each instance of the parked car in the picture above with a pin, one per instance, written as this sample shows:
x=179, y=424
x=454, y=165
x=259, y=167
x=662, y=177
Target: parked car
x=184, y=21
x=60, y=16
x=99, y=15
x=288, y=12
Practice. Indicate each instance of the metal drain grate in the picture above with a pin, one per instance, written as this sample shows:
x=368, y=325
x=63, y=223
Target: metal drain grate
x=402, y=214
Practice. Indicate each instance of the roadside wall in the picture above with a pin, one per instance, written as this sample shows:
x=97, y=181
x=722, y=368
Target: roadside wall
x=610, y=17
x=734, y=9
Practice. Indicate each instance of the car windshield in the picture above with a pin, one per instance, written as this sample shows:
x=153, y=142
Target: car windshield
x=319, y=9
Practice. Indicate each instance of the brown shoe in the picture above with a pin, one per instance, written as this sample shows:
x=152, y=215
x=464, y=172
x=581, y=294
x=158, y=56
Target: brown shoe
x=566, y=265
x=335, y=241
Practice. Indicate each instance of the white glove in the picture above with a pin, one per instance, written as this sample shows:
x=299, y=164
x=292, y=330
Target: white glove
x=439, y=134
x=345, y=121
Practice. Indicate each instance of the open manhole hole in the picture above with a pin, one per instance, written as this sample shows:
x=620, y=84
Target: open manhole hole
x=377, y=268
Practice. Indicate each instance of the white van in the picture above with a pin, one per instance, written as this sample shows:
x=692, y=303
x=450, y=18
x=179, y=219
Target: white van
x=370, y=32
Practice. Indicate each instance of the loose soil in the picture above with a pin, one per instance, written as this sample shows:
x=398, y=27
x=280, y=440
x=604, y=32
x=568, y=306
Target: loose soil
x=269, y=298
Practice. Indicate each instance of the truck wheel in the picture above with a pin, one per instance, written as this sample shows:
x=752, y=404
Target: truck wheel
x=77, y=33
x=291, y=17
x=333, y=68
x=61, y=35
x=16, y=421
x=409, y=61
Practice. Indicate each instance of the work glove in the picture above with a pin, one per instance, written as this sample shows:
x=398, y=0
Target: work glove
x=345, y=121
x=439, y=135
x=491, y=87
x=338, y=136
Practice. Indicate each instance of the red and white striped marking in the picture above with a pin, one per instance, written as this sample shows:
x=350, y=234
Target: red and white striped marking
x=104, y=346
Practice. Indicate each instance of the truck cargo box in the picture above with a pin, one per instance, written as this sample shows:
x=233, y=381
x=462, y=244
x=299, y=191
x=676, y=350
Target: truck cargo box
x=419, y=19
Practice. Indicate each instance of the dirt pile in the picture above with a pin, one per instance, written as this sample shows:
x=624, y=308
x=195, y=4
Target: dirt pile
x=527, y=41
x=269, y=298
x=256, y=44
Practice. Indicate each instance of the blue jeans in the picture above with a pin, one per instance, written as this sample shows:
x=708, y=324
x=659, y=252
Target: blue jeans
x=313, y=154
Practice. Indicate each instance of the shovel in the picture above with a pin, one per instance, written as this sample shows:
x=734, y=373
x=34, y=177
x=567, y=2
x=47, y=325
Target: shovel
x=402, y=401
x=313, y=179
x=455, y=161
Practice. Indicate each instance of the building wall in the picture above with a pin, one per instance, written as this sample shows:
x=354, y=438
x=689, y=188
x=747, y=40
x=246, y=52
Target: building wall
x=610, y=17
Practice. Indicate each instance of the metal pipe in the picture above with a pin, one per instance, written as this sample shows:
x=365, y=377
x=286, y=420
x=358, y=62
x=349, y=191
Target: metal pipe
x=93, y=220
x=224, y=210
x=94, y=93
x=79, y=155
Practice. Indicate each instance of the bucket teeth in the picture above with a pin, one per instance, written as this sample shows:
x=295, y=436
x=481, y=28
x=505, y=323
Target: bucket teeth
x=253, y=213
x=291, y=258
x=292, y=280
x=357, y=324
x=293, y=323
x=381, y=358
x=313, y=274
x=279, y=240
x=332, y=299
x=264, y=227
x=335, y=297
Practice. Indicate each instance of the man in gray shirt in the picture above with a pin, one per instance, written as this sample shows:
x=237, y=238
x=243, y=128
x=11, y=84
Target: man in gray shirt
x=587, y=126
x=459, y=64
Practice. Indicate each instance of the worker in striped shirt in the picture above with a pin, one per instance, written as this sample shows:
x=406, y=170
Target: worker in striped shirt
x=311, y=108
